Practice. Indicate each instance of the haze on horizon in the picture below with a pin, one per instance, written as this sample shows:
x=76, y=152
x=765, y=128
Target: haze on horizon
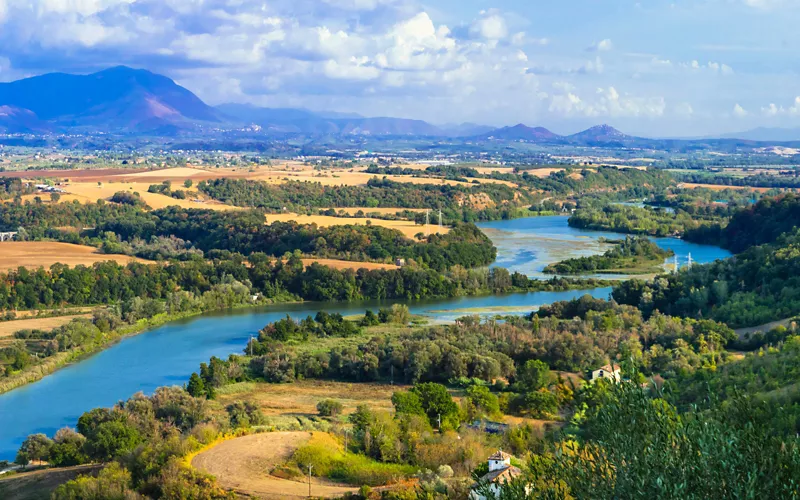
x=657, y=68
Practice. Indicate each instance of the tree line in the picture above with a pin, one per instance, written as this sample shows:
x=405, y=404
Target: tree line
x=756, y=286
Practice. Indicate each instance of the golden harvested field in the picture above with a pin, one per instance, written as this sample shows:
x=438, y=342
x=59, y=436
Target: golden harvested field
x=90, y=192
x=244, y=464
x=82, y=181
x=408, y=228
x=35, y=254
x=544, y=172
x=382, y=211
x=347, y=178
x=499, y=168
x=7, y=328
x=717, y=187
x=346, y=264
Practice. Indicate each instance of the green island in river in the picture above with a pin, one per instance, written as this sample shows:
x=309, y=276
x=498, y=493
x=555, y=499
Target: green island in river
x=633, y=255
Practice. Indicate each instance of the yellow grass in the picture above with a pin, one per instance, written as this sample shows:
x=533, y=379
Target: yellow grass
x=283, y=171
x=382, y=211
x=544, y=172
x=489, y=170
x=344, y=264
x=36, y=254
x=8, y=328
x=301, y=397
x=346, y=178
x=408, y=228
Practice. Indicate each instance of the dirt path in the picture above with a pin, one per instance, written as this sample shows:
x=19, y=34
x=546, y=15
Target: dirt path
x=244, y=464
x=741, y=332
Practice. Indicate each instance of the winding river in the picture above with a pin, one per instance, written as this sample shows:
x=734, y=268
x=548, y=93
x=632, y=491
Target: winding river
x=169, y=354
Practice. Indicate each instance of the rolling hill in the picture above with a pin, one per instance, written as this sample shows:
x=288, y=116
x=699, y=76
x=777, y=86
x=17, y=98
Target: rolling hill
x=523, y=133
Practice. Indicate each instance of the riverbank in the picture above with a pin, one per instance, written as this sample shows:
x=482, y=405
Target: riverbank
x=168, y=355
x=60, y=360
x=63, y=359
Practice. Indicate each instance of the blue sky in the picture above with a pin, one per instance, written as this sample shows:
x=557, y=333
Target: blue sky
x=657, y=68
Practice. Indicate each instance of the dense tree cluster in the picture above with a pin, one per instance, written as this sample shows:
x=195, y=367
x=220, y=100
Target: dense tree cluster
x=128, y=198
x=635, y=220
x=765, y=371
x=471, y=350
x=11, y=187
x=632, y=443
x=141, y=441
x=245, y=232
x=41, y=219
x=779, y=179
x=762, y=223
x=754, y=287
x=580, y=181
x=165, y=188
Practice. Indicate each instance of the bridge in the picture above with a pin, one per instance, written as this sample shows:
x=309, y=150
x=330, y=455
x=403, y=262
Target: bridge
x=7, y=236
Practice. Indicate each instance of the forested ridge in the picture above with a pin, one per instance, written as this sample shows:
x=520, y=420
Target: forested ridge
x=781, y=179
x=173, y=231
x=645, y=221
x=757, y=286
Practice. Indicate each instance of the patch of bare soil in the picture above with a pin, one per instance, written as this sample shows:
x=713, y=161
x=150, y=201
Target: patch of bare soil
x=243, y=465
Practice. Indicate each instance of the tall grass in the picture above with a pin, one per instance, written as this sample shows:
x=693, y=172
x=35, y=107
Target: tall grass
x=329, y=460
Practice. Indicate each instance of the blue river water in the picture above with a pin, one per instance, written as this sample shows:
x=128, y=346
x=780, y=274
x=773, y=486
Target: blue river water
x=529, y=245
x=169, y=354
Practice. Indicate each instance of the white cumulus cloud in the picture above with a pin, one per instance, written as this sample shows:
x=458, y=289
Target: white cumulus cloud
x=602, y=46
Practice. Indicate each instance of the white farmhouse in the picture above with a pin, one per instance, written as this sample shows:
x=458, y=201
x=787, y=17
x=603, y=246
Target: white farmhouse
x=610, y=372
x=500, y=472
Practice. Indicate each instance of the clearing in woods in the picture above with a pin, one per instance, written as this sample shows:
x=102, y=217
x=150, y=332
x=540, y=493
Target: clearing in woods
x=8, y=328
x=408, y=228
x=35, y=254
x=300, y=398
x=346, y=264
x=244, y=465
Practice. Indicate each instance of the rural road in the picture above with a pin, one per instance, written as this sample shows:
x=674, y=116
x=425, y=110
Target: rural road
x=244, y=464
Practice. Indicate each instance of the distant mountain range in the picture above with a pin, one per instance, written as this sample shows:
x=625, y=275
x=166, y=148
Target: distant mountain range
x=301, y=121
x=767, y=134
x=122, y=100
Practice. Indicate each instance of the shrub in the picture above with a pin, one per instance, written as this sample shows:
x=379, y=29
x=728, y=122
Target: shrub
x=329, y=408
